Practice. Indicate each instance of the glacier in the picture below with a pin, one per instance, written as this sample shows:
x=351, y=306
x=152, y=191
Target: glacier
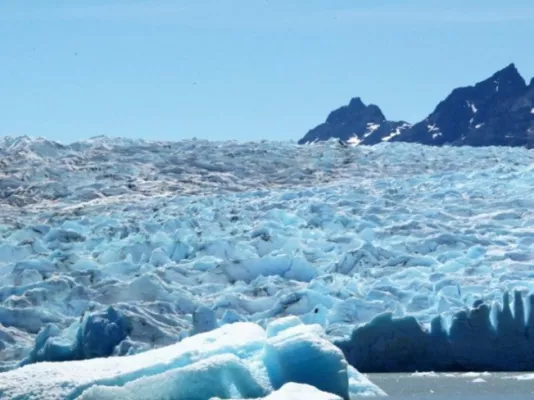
x=487, y=337
x=287, y=360
x=115, y=247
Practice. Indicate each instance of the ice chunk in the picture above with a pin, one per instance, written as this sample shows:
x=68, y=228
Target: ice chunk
x=222, y=375
x=292, y=268
x=235, y=361
x=100, y=333
x=298, y=391
x=43, y=266
x=279, y=325
x=230, y=317
x=96, y=336
x=326, y=369
x=63, y=236
x=204, y=320
x=360, y=385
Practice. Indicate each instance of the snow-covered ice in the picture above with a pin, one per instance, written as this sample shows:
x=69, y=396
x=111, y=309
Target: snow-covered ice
x=239, y=360
x=180, y=238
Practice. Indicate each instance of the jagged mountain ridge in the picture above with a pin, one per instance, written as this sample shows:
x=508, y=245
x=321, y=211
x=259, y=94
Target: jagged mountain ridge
x=498, y=111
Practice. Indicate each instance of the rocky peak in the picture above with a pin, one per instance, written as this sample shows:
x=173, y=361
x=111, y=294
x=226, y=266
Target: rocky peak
x=509, y=73
x=353, y=121
x=356, y=103
x=495, y=111
x=356, y=110
x=504, y=83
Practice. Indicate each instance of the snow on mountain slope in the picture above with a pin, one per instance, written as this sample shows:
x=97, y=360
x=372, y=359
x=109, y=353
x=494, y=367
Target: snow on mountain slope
x=494, y=112
x=356, y=123
x=236, y=361
x=179, y=238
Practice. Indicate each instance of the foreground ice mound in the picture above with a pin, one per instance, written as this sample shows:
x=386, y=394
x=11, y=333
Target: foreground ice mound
x=484, y=338
x=240, y=360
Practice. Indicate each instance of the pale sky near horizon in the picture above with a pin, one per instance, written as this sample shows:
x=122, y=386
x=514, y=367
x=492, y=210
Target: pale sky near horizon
x=242, y=69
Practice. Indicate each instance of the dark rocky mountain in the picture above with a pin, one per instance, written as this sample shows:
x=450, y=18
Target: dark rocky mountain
x=356, y=123
x=498, y=111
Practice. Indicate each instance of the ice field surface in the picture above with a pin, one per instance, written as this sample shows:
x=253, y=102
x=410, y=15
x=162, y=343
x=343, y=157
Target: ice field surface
x=145, y=243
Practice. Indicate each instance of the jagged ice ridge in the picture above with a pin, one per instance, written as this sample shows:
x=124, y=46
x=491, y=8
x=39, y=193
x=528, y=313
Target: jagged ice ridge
x=484, y=338
x=145, y=243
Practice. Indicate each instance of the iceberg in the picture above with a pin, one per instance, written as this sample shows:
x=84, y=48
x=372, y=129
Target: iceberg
x=241, y=360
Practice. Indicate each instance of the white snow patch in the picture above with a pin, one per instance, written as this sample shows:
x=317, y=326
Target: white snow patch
x=477, y=126
x=435, y=129
x=473, y=109
x=371, y=127
x=355, y=141
x=472, y=106
x=432, y=128
x=532, y=111
x=396, y=132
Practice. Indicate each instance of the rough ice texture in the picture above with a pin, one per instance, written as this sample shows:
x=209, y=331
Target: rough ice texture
x=180, y=238
x=295, y=391
x=484, y=338
x=240, y=360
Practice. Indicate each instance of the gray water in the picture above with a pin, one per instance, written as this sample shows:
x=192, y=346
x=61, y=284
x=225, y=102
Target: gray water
x=471, y=386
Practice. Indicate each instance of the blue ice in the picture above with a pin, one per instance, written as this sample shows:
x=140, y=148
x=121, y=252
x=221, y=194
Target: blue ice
x=239, y=360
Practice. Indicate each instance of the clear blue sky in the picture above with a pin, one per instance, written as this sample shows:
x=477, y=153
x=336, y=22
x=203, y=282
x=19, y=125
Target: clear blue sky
x=242, y=69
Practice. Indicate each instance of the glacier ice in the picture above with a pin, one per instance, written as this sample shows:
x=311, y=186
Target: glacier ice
x=185, y=237
x=487, y=337
x=239, y=360
x=295, y=391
